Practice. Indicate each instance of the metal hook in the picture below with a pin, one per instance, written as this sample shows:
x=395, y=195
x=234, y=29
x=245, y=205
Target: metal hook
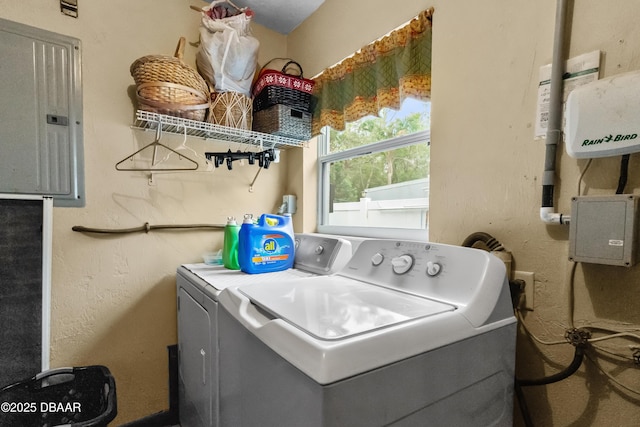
x=255, y=178
x=158, y=136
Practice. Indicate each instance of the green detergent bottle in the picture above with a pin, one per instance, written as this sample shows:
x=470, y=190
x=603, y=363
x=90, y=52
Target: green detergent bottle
x=266, y=246
x=230, y=246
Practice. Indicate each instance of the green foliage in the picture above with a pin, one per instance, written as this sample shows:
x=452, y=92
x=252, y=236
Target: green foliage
x=349, y=178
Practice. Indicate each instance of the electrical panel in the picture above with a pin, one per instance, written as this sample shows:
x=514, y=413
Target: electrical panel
x=41, y=141
x=604, y=229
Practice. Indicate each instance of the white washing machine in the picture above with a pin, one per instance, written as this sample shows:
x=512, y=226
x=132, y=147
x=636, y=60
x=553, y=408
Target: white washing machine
x=407, y=334
x=198, y=287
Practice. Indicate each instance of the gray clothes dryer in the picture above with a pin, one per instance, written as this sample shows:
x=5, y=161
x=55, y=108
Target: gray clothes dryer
x=198, y=289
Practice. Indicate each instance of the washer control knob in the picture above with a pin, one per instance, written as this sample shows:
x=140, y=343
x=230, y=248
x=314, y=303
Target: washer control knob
x=377, y=259
x=433, y=268
x=319, y=249
x=401, y=264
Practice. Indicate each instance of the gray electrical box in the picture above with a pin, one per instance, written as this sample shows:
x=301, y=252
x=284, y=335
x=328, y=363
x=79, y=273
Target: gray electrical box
x=41, y=142
x=604, y=229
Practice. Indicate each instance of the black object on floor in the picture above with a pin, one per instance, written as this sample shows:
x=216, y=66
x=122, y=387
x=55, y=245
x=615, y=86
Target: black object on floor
x=82, y=396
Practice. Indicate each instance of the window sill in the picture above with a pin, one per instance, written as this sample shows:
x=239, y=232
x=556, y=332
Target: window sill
x=376, y=233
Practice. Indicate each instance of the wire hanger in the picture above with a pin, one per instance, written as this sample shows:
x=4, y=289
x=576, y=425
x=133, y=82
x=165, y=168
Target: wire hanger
x=155, y=144
x=184, y=147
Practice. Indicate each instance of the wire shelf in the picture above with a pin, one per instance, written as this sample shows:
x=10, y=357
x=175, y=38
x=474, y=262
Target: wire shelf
x=146, y=120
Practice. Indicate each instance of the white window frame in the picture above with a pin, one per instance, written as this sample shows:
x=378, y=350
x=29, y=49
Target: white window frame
x=325, y=159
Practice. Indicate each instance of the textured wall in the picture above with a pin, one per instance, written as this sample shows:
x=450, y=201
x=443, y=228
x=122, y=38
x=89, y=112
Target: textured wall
x=114, y=296
x=486, y=168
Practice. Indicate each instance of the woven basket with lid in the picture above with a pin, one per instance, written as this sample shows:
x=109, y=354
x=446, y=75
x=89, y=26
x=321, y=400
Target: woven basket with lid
x=167, y=85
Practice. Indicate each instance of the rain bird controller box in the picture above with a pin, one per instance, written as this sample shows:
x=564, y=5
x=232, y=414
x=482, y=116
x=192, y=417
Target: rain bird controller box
x=603, y=117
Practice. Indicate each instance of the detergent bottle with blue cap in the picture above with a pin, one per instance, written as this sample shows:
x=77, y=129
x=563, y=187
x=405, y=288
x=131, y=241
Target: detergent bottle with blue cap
x=267, y=245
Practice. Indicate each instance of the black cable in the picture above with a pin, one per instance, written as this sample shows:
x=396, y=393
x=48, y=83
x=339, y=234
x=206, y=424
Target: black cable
x=566, y=373
x=624, y=172
x=522, y=403
x=516, y=288
x=147, y=228
x=578, y=357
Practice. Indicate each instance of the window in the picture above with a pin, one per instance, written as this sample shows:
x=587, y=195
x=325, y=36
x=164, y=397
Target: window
x=374, y=171
x=374, y=175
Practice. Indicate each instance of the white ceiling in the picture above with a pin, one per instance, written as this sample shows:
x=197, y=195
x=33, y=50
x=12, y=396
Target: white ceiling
x=279, y=15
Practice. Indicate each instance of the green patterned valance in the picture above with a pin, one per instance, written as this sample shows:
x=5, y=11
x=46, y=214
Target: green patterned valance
x=379, y=75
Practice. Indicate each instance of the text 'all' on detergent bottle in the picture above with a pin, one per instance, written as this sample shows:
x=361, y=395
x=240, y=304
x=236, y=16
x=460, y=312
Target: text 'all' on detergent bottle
x=230, y=245
x=267, y=245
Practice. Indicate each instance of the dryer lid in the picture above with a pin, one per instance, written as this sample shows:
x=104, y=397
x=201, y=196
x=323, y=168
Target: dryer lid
x=336, y=307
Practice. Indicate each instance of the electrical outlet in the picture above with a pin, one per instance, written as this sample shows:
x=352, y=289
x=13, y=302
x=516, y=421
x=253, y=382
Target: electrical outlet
x=526, y=303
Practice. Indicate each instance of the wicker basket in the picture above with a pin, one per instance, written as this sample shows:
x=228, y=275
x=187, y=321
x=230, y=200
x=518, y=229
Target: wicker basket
x=166, y=85
x=231, y=109
x=284, y=121
x=280, y=87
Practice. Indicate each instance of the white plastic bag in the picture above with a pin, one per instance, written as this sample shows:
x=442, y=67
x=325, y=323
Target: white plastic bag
x=228, y=54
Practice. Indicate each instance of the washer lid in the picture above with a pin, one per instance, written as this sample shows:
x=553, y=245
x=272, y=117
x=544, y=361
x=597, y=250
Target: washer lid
x=336, y=307
x=221, y=278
